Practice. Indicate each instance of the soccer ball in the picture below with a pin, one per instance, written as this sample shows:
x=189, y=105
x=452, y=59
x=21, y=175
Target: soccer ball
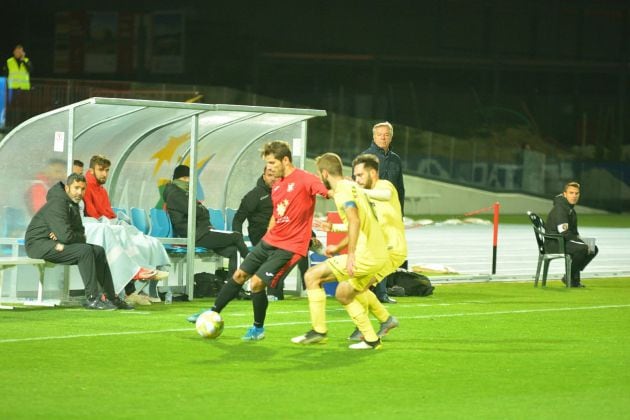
x=209, y=324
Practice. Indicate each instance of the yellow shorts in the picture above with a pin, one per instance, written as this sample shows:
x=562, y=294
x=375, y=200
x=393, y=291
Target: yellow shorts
x=392, y=264
x=365, y=270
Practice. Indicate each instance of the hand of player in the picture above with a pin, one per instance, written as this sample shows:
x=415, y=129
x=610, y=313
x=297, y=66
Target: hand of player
x=52, y=236
x=330, y=251
x=322, y=225
x=350, y=265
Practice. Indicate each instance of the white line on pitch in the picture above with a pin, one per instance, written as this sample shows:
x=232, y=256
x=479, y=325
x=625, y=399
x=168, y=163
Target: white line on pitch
x=462, y=314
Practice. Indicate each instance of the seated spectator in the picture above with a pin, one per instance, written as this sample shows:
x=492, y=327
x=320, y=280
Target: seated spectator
x=77, y=167
x=563, y=219
x=133, y=255
x=226, y=244
x=56, y=234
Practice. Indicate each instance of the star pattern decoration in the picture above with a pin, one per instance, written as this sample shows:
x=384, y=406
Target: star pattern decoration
x=167, y=152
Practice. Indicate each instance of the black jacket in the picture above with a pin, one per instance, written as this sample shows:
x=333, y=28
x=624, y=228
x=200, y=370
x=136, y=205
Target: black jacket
x=562, y=213
x=176, y=200
x=59, y=215
x=256, y=208
x=390, y=168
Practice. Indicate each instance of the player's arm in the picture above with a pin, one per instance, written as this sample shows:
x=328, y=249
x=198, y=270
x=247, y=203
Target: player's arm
x=354, y=225
x=380, y=194
x=272, y=223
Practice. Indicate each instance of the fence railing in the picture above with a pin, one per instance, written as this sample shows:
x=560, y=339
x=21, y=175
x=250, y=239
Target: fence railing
x=514, y=159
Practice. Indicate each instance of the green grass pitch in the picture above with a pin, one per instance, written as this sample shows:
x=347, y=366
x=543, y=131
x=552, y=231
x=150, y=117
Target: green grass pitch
x=476, y=350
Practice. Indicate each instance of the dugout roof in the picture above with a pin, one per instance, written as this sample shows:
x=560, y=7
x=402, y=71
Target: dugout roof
x=145, y=140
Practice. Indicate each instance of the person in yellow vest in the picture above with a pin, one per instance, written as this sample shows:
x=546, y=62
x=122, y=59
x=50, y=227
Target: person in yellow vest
x=18, y=70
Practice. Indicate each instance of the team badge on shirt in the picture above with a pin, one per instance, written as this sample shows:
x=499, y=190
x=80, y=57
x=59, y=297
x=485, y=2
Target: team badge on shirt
x=290, y=187
x=281, y=208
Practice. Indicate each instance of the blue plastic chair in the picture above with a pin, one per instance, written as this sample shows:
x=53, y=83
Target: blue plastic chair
x=217, y=220
x=160, y=224
x=140, y=219
x=229, y=215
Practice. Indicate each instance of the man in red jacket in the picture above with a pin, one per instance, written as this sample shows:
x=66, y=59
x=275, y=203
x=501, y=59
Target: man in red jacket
x=96, y=198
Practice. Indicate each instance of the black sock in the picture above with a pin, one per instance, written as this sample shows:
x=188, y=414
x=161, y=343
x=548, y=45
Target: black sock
x=228, y=292
x=260, y=303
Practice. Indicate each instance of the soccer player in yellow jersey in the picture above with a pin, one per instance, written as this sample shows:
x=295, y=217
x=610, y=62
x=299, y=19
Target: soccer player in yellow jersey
x=384, y=198
x=366, y=255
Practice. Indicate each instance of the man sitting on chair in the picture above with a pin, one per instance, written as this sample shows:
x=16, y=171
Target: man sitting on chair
x=56, y=234
x=142, y=256
x=562, y=219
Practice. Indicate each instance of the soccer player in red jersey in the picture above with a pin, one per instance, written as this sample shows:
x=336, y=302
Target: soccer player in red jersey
x=287, y=239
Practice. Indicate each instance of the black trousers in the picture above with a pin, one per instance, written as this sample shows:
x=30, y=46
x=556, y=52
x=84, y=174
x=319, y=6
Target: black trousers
x=579, y=258
x=226, y=244
x=92, y=263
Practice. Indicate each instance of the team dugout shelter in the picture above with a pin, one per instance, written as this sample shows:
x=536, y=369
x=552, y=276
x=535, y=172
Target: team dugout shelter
x=145, y=140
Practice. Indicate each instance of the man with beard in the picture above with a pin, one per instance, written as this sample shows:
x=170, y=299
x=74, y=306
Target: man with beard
x=287, y=240
x=143, y=258
x=56, y=234
x=366, y=256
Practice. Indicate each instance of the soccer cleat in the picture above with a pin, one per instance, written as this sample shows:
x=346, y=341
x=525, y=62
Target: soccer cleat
x=193, y=318
x=386, y=326
x=254, y=334
x=311, y=337
x=356, y=335
x=99, y=304
x=121, y=304
x=364, y=345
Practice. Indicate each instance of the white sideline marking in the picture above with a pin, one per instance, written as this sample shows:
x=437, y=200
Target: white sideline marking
x=462, y=314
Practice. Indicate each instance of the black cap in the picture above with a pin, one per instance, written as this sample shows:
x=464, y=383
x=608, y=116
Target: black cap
x=181, y=171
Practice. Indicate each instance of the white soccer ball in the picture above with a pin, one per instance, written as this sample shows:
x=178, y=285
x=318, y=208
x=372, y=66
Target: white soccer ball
x=209, y=324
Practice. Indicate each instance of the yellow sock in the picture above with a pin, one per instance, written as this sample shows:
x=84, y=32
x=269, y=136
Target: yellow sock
x=363, y=300
x=359, y=315
x=376, y=307
x=317, y=307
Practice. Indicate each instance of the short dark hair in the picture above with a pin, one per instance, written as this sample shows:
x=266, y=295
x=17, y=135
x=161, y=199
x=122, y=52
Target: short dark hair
x=72, y=178
x=78, y=163
x=99, y=160
x=279, y=149
x=368, y=160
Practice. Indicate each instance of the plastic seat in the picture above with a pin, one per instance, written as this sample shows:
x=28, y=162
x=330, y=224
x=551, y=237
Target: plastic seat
x=140, y=219
x=160, y=224
x=229, y=216
x=217, y=220
x=544, y=257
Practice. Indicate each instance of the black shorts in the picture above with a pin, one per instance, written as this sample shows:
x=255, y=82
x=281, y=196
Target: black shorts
x=269, y=263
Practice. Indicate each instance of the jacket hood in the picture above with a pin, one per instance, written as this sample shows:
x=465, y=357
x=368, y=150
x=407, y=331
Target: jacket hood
x=261, y=184
x=560, y=200
x=58, y=192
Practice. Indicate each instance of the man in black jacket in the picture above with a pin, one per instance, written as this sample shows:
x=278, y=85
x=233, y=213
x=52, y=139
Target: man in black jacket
x=562, y=219
x=226, y=244
x=390, y=169
x=56, y=234
x=256, y=208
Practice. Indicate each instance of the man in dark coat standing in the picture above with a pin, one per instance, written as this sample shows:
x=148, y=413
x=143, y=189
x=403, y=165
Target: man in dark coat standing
x=256, y=208
x=562, y=219
x=56, y=234
x=390, y=169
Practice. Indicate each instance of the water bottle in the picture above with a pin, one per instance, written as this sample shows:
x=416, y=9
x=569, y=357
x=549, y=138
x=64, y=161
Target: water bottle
x=168, y=299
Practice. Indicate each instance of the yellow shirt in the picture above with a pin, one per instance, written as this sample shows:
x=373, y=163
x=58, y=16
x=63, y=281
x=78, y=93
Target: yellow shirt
x=390, y=217
x=371, y=242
